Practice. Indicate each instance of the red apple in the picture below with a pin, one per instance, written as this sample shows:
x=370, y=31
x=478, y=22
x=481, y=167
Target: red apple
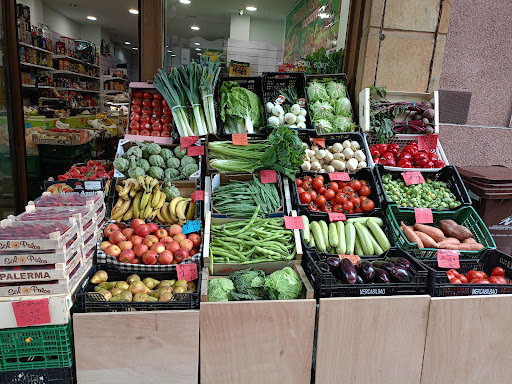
x=149, y=240
x=179, y=237
x=160, y=233
x=165, y=258
x=152, y=227
x=142, y=230
x=166, y=239
x=181, y=254
x=150, y=258
x=136, y=222
x=137, y=260
x=104, y=245
x=158, y=248
x=193, y=252
x=113, y=250
x=128, y=232
x=187, y=244
x=136, y=239
x=140, y=249
x=175, y=229
x=126, y=256
x=121, y=226
x=196, y=239
x=173, y=246
x=109, y=229
x=116, y=237
x=127, y=244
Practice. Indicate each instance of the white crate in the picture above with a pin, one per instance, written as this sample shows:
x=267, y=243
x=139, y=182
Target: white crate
x=418, y=97
x=34, y=213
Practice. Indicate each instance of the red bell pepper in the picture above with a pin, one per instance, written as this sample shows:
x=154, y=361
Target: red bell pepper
x=432, y=156
x=439, y=164
x=383, y=148
x=405, y=156
x=404, y=164
x=374, y=151
x=394, y=148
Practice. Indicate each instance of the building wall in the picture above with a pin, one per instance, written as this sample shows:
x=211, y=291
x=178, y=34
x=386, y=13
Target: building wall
x=271, y=31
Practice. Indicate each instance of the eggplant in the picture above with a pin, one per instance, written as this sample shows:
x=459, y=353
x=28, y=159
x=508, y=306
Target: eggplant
x=348, y=271
x=388, y=266
x=366, y=270
x=400, y=262
x=324, y=267
x=359, y=280
x=381, y=276
x=334, y=265
x=400, y=275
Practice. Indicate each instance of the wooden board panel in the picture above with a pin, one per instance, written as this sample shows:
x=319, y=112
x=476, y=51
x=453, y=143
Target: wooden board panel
x=468, y=340
x=371, y=339
x=137, y=347
x=257, y=342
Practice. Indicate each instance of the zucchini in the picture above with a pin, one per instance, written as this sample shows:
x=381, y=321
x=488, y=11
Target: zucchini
x=358, y=250
x=377, y=250
x=364, y=239
x=364, y=220
x=333, y=235
x=379, y=235
x=319, y=236
x=305, y=232
x=325, y=231
x=342, y=245
x=311, y=241
x=350, y=236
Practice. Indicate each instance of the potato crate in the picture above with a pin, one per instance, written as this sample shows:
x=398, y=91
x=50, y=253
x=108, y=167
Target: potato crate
x=89, y=301
x=465, y=216
x=417, y=97
x=49, y=346
x=440, y=286
x=402, y=141
x=38, y=376
x=327, y=285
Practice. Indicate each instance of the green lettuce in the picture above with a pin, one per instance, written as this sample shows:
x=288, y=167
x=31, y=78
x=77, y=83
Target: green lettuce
x=241, y=109
x=284, y=285
x=322, y=110
x=249, y=284
x=220, y=289
x=342, y=107
x=335, y=89
x=343, y=124
x=323, y=126
x=317, y=92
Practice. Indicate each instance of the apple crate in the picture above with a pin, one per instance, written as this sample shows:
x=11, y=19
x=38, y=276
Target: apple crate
x=36, y=235
x=71, y=199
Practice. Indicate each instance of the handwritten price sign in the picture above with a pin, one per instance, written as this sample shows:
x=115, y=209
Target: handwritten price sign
x=339, y=176
x=423, y=215
x=31, y=312
x=195, y=150
x=191, y=226
x=294, y=222
x=353, y=258
x=188, y=141
x=336, y=216
x=239, y=139
x=318, y=141
x=197, y=195
x=427, y=142
x=413, y=177
x=269, y=176
x=448, y=258
x=187, y=271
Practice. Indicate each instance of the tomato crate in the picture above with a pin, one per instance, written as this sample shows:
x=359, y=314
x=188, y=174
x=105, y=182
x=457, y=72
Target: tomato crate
x=362, y=174
x=327, y=285
x=94, y=302
x=440, y=286
x=49, y=346
x=38, y=376
x=448, y=175
x=465, y=216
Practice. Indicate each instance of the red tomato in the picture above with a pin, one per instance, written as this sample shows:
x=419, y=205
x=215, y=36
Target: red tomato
x=320, y=200
x=147, y=103
x=346, y=189
x=166, y=127
x=474, y=275
x=165, y=119
x=358, y=210
x=355, y=185
x=480, y=281
x=455, y=281
x=308, y=178
x=355, y=200
x=350, y=212
x=134, y=125
x=367, y=205
x=334, y=186
x=307, y=185
x=136, y=108
x=326, y=208
x=341, y=184
x=298, y=182
x=146, y=126
x=329, y=194
x=134, y=116
x=144, y=132
x=313, y=194
x=138, y=95
x=155, y=133
x=157, y=103
x=157, y=111
x=337, y=208
x=166, y=110
x=312, y=207
x=305, y=198
x=155, y=119
x=134, y=132
x=365, y=191
x=157, y=127
x=317, y=184
x=164, y=103
x=148, y=95
x=147, y=110
x=497, y=280
x=136, y=101
x=348, y=206
x=300, y=190
x=340, y=199
x=165, y=134
x=463, y=279
x=498, y=271
x=321, y=191
x=145, y=118
x=320, y=177
x=157, y=96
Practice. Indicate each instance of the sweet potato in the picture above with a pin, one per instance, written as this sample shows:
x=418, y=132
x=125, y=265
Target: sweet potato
x=464, y=246
x=469, y=241
x=411, y=235
x=427, y=241
x=452, y=229
x=433, y=232
x=448, y=240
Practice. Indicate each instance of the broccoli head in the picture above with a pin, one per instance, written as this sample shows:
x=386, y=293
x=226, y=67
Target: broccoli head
x=166, y=154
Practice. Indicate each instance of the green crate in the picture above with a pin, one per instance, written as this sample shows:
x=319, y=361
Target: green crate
x=48, y=346
x=466, y=216
x=64, y=153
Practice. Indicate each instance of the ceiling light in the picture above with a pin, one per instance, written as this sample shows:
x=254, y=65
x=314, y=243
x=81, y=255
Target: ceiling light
x=173, y=55
x=127, y=43
x=135, y=48
x=134, y=11
x=185, y=1
x=169, y=51
x=252, y=9
x=198, y=49
x=195, y=28
x=92, y=18
x=197, y=43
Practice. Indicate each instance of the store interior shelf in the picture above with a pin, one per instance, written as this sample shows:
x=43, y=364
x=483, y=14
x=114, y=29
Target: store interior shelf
x=76, y=90
x=109, y=91
x=38, y=87
x=22, y=63
x=56, y=57
x=108, y=78
x=58, y=72
x=33, y=47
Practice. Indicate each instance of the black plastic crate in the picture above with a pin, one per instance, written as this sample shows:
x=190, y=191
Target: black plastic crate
x=440, y=286
x=448, y=174
x=362, y=174
x=38, y=376
x=94, y=302
x=326, y=285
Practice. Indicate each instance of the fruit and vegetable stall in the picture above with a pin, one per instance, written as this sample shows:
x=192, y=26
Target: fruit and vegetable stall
x=264, y=230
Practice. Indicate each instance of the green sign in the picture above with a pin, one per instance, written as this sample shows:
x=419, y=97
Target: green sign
x=311, y=25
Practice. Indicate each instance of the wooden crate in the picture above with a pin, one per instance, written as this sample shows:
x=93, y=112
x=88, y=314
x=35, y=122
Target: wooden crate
x=418, y=97
x=372, y=339
x=222, y=269
x=133, y=347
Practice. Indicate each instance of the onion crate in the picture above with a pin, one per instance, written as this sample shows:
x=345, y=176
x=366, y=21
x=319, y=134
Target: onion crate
x=38, y=376
x=465, y=216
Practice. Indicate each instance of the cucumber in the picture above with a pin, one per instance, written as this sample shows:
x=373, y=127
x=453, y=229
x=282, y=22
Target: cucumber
x=379, y=235
x=358, y=250
x=363, y=220
x=305, y=232
x=319, y=236
x=333, y=235
x=377, y=250
x=364, y=239
x=342, y=245
x=325, y=231
x=350, y=236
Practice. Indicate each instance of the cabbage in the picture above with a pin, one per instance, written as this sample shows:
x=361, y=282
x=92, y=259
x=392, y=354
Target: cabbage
x=323, y=126
x=322, y=110
x=220, y=289
x=342, y=107
x=336, y=90
x=284, y=285
x=249, y=284
x=343, y=124
x=317, y=91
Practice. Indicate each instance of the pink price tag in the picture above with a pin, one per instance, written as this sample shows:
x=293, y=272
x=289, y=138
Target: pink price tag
x=269, y=176
x=319, y=141
x=195, y=150
x=187, y=271
x=427, y=142
x=339, y=176
x=448, y=258
x=239, y=139
x=423, y=215
x=336, y=216
x=188, y=141
x=353, y=258
x=31, y=312
x=413, y=177
x=197, y=195
x=293, y=222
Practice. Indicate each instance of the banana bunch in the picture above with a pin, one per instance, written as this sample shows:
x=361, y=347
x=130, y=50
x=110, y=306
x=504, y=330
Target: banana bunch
x=178, y=211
